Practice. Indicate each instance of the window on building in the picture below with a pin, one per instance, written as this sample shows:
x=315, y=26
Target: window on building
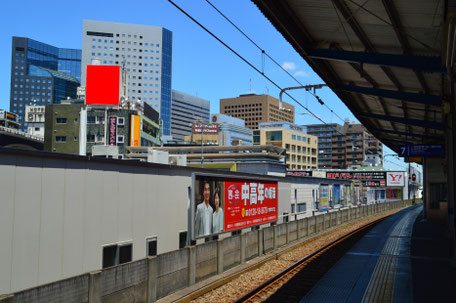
x=117, y=254
x=61, y=120
x=182, y=239
x=151, y=246
x=60, y=139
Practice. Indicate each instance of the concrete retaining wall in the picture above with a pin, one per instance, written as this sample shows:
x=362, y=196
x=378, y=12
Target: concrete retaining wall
x=153, y=278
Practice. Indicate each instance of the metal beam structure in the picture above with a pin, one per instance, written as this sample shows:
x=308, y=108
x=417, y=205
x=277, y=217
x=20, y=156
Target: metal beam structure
x=390, y=131
x=407, y=121
x=391, y=94
x=419, y=63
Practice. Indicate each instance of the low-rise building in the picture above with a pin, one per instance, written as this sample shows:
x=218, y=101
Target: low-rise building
x=75, y=128
x=34, y=119
x=301, y=148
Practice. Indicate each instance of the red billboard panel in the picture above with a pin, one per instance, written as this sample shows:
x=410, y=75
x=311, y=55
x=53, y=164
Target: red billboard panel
x=223, y=204
x=249, y=202
x=103, y=85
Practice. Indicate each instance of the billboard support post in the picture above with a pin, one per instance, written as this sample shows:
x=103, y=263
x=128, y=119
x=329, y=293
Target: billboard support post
x=242, y=238
x=260, y=242
x=191, y=265
x=219, y=256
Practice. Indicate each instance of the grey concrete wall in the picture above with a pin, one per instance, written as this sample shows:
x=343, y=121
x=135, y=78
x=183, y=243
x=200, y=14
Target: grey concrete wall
x=152, y=278
x=206, y=260
x=69, y=290
x=252, y=245
x=268, y=239
x=281, y=234
x=130, y=277
x=172, y=271
x=231, y=252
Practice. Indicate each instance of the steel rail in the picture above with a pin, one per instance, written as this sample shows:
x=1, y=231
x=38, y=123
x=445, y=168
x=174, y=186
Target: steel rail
x=285, y=275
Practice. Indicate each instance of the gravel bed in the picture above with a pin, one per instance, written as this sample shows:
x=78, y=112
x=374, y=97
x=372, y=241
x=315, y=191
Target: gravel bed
x=249, y=280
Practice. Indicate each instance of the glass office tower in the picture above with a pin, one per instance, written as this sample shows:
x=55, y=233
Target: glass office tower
x=41, y=74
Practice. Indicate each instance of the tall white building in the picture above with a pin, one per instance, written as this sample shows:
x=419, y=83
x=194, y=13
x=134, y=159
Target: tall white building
x=146, y=53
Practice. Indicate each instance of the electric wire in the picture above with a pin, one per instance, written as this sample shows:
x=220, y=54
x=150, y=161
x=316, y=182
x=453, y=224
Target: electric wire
x=267, y=55
x=252, y=66
x=243, y=59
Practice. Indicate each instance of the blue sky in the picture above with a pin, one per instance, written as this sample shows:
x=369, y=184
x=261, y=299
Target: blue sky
x=201, y=65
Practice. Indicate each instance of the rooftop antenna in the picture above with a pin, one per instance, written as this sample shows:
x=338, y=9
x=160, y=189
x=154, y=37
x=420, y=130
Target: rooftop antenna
x=250, y=80
x=267, y=90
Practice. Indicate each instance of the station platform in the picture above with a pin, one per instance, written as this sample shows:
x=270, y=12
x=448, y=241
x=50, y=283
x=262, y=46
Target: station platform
x=402, y=259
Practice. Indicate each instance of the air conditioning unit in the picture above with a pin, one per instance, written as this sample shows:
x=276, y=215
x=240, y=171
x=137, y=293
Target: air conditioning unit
x=180, y=160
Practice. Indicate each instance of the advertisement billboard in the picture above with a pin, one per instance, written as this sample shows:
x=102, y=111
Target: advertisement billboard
x=112, y=131
x=210, y=129
x=395, y=178
x=337, y=194
x=324, y=197
x=135, y=129
x=224, y=204
x=102, y=85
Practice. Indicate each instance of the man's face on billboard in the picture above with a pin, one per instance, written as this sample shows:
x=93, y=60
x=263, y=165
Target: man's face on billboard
x=206, y=192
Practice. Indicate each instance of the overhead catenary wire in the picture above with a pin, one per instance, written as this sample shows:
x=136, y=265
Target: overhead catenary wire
x=252, y=66
x=264, y=53
x=243, y=59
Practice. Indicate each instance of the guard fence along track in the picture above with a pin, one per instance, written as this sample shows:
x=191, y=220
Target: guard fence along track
x=294, y=282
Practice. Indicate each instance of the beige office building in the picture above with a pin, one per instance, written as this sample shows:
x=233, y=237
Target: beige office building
x=254, y=109
x=301, y=148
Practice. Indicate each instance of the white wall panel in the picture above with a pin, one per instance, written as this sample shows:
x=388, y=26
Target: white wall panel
x=7, y=192
x=26, y=224
x=51, y=232
x=73, y=238
x=93, y=198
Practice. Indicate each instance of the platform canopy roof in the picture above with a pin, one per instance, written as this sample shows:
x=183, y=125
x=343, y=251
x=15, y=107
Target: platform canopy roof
x=388, y=61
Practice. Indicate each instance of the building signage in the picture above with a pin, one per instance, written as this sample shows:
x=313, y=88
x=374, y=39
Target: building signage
x=304, y=173
x=8, y=116
x=135, y=130
x=373, y=183
x=112, y=131
x=357, y=175
x=209, y=129
x=395, y=179
x=422, y=150
x=223, y=204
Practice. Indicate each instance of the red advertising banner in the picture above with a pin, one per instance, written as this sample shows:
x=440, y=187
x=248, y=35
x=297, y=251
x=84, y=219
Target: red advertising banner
x=249, y=202
x=112, y=131
x=102, y=85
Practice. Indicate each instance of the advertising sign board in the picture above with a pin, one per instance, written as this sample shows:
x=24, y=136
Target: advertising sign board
x=324, y=197
x=302, y=173
x=112, y=131
x=223, y=204
x=357, y=175
x=395, y=179
x=210, y=129
x=102, y=85
x=337, y=194
x=135, y=130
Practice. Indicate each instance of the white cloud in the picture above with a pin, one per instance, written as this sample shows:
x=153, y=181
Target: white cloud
x=301, y=73
x=289, y=66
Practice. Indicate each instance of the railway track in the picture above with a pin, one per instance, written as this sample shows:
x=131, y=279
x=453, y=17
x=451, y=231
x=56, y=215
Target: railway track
x=293, y=283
